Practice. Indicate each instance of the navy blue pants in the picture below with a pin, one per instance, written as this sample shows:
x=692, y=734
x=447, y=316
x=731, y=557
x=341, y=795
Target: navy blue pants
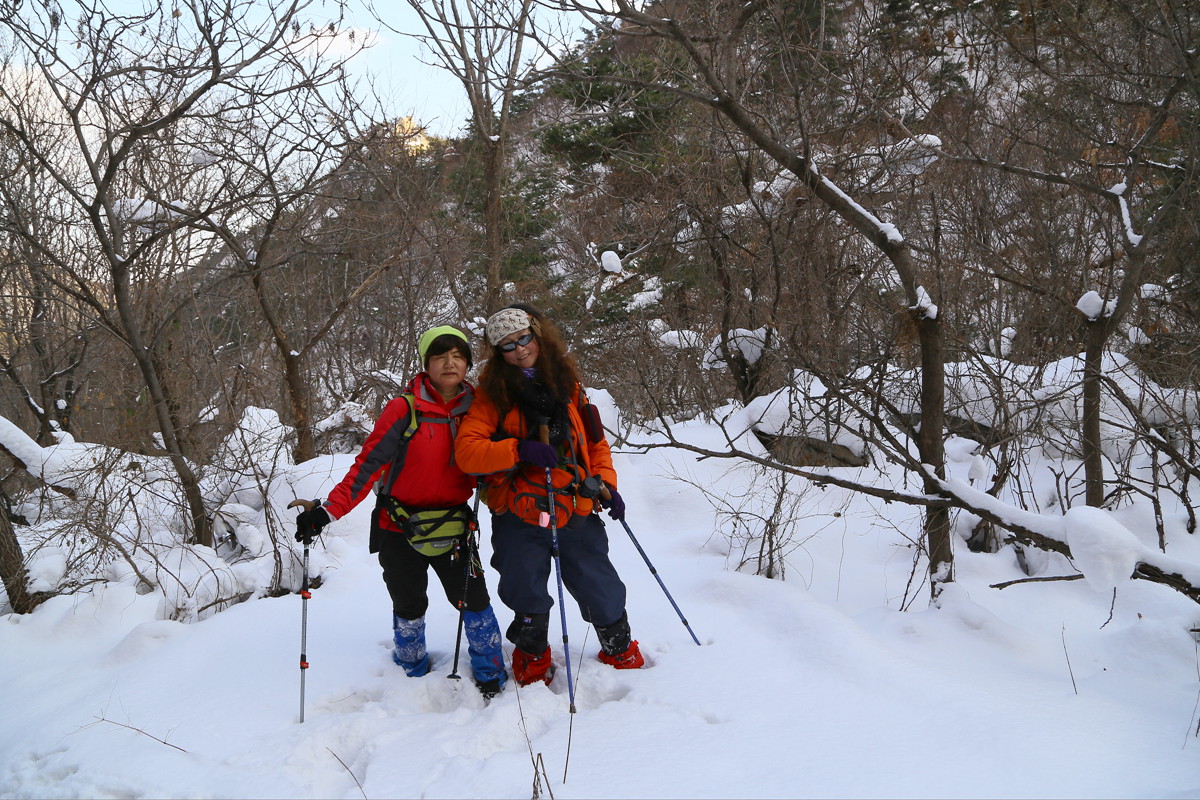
x=521, y=554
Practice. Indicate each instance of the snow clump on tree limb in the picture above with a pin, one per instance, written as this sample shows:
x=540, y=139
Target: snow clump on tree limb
x=1103, y=549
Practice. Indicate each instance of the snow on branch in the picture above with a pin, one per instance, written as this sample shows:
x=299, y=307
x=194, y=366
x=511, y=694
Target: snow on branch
x=610, y=261
x=925, y=304
x=38, y=461
x=887, y=229
x=1093, y=306
x=145, y=212
x=1118, y=191
x=750, y=344
x=1100, y=547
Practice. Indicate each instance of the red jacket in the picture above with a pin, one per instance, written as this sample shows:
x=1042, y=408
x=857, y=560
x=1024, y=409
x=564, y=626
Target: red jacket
x=519, y=490
x=429, y=477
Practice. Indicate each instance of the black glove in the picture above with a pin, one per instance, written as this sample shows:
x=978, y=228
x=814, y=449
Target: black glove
x=615, y=505
x=310, y=523
x=534, y=452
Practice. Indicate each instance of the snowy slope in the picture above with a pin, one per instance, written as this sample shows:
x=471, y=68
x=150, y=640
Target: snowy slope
x=816, y=686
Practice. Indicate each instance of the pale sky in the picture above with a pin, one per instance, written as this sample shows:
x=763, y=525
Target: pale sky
x=398, y=63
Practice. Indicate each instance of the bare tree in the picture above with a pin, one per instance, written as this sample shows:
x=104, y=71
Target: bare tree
x=716, y=54
x=340, y=252
x=1089, y=117
x=136, y=121
x=45, y=339
x=843, y=102
x=484, y=45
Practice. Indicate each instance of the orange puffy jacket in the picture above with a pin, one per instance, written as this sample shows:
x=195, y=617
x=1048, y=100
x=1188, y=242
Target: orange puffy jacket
x=521, y=488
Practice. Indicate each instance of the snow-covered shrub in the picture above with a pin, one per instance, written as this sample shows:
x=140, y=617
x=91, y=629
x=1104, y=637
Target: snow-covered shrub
x=748, y=344
x=124, y=520
x=345, y=430
x=806, y=410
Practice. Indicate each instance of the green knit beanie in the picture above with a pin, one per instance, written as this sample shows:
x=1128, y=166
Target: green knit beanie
x=428, y=336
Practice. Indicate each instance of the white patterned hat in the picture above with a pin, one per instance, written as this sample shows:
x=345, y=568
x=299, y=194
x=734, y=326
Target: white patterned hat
x=504, y=322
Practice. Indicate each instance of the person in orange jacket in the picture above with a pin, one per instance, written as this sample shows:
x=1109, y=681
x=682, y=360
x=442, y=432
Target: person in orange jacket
x=527, y=418
x=413, y=473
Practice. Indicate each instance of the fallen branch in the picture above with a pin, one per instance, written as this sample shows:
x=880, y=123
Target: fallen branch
x=1149, y=572
x=1025, y=527
x=539, y=766
x=1046, y=579
x=37, y=476
x=1070, y=671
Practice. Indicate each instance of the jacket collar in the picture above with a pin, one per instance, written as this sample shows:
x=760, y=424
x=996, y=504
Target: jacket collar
x=428, y=398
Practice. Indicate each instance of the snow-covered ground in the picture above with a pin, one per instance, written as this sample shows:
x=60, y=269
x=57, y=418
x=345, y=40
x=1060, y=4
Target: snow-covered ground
x=814, y=686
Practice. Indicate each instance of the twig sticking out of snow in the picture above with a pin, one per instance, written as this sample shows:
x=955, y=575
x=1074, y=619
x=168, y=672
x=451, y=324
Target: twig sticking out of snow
x=352, y=775
x=1074, y=685
x=135, y=730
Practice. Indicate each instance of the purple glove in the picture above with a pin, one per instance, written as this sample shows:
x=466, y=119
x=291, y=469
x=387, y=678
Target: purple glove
x=534, y=452
x=616, y=506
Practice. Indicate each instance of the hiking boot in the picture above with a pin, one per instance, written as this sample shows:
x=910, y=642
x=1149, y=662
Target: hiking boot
x=630, y=659
x=615, y=636
x=489, y=689
x=529, y=669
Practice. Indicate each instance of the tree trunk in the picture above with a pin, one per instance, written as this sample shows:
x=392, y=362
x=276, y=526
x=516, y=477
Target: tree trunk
x=297, y=391
x=929, y=445
x=492, y=221
x=294, y=385
x=167, y=426
x=12, y=567
x=1093, y=457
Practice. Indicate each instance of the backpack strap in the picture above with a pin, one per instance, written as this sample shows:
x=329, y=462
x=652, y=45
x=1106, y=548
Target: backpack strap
x=415, y=420
x=410, y=430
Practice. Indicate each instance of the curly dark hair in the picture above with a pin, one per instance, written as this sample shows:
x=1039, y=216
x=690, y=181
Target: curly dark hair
x=556, y=367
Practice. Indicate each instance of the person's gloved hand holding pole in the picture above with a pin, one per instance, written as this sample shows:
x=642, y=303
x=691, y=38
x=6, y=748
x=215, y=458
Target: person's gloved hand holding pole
x=614, y=504
x=531, y=451
x=310, y=522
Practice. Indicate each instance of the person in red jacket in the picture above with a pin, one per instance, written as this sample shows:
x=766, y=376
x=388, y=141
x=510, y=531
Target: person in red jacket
x=412, y=475
x=527, y=419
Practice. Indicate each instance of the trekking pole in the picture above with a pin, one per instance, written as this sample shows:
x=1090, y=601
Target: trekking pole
x=544, y=435
x=458, y=636
x=654, y=572
x=305, y=595
x=472, y=549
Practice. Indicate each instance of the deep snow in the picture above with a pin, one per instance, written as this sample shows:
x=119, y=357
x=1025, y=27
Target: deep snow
x=814, y=686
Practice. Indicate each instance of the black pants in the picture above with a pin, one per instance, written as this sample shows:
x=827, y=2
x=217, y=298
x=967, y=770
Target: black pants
x=405, y=572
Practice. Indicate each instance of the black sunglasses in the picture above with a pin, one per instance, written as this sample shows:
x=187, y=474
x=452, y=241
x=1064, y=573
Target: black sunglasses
x=520, y=341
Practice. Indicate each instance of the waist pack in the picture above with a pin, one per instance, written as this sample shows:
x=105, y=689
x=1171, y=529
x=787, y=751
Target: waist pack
x=431, y=531
x=529, y=497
